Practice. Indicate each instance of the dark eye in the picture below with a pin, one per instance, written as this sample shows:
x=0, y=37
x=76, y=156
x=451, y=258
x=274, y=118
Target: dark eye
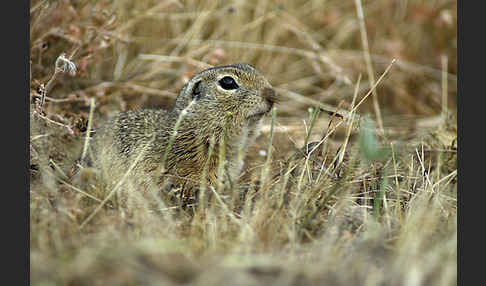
x=197, y=91
x=228, y=83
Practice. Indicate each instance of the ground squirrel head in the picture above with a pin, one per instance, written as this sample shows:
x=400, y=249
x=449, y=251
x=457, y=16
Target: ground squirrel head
x=221, y=102
x=239, y=91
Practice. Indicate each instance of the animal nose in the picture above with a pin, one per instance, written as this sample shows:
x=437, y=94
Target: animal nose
x=269, y=94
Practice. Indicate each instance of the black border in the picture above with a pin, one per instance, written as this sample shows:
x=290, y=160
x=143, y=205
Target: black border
x=21, y=222
x=471, y=90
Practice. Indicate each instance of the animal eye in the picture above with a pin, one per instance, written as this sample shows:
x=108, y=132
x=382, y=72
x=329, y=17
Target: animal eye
x=196, y=91
x=228, y=83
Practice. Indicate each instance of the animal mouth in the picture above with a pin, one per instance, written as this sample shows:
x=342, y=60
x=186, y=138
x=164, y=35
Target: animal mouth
x=261, y=113
x=269, y=97
x=258, y=114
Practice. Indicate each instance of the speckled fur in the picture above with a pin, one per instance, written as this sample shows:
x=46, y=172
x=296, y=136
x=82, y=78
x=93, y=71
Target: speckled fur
x=121, y=139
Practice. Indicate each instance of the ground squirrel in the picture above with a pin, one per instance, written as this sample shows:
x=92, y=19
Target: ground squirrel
x=221, y=100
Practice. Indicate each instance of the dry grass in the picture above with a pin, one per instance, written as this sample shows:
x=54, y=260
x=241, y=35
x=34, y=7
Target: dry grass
x=355, y=208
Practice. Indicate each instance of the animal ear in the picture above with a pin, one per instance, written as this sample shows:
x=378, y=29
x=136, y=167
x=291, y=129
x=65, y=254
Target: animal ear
x=197, y=91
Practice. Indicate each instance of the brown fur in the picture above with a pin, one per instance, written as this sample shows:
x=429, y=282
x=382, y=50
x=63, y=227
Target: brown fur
x=206, y=111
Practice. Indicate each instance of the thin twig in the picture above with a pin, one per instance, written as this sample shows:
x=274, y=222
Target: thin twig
x=62, y=65
x=355, y=107
x=369, y=65
x=80, y=191
x=340, y=159
x=88, y=131
x=54, y=122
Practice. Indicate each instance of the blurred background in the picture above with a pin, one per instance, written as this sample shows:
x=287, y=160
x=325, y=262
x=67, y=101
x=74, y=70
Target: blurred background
x=139, y=53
